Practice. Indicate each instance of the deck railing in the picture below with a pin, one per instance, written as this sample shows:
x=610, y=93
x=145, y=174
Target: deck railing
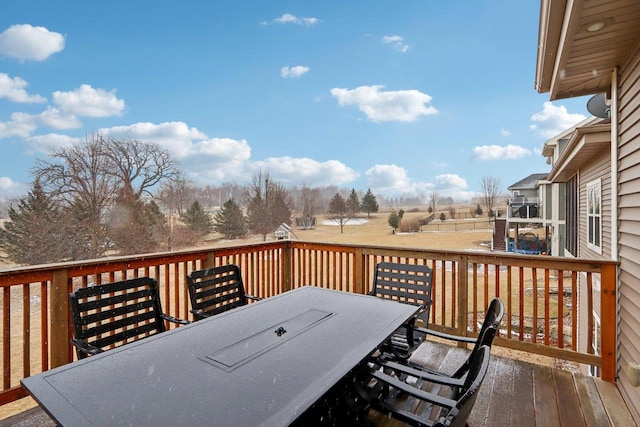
x=552, y=303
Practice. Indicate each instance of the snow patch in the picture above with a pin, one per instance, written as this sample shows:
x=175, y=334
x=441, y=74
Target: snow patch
x=356, y=221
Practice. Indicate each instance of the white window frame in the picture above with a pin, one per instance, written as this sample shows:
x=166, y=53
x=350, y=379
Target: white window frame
x=594, y=215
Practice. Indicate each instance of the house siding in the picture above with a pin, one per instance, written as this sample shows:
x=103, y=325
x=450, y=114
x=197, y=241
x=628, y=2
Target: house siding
x=598, y=170
x=629, y=224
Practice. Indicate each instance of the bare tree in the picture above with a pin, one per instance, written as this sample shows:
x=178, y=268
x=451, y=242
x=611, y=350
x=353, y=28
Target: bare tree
x=139, y=165
x=339, y=211
x=433, y=200
x=79, y=178
x=87, y=178
x=268, y=205
x=491, y=189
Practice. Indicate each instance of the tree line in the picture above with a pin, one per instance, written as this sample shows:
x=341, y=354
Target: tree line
x=104, y=196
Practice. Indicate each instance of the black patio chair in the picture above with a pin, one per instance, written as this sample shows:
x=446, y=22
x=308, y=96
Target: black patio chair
x=114, y=314
x=216, y=290
x=408, y=283
x=410, y=404
x=492, y=320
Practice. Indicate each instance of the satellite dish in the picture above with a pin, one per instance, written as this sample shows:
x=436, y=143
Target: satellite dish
x=597, y=106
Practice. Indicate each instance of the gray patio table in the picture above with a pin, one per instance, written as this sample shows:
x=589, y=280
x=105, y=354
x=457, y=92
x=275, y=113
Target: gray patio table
x=262, y=364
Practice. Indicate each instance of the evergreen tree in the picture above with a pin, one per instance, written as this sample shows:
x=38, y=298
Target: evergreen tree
x=35, y=232
x=369, y=203
x=353, y=203
x=197, y=220
x=338, y=210
x=230, y=221
x=394, y=219
x=134, y=226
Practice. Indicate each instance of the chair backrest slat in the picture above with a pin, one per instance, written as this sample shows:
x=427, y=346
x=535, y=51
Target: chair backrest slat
x=113, y=314
x=409, y=283
x=215, y=290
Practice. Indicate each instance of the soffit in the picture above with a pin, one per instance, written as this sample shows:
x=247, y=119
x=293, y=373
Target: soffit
x=573, y=61
x=586, y=145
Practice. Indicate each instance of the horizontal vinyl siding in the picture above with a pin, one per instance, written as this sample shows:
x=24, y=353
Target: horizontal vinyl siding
x=629, y=225
x=601, y=169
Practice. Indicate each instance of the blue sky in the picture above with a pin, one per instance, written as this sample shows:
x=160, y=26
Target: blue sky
x=403, y=97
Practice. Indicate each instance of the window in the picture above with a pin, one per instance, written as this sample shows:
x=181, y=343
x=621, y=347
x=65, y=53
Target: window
x=594, y=216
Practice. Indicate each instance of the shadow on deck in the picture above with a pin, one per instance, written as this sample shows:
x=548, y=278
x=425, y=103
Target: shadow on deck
x=514, y=393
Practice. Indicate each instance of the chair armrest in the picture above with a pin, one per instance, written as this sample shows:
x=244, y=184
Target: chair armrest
x=429, y=376
x=413, y=391
x=444, y=335
x=251, y=297
x=174, y=319
x=86, y=348
x=200, y=313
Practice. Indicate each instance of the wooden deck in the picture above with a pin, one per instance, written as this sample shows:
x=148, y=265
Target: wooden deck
x=514, y=393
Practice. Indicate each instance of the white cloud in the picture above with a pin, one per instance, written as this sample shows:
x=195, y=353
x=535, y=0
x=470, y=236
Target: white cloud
x=386, y=106
x=21, y=125
x=297, y=171
x=46, y=143
x=505, y=132
x=450, y=181
x=288, y=18
x=28, y=42
x=497, y=152
x=89, y=102
x=13, y=89
x=10, y=188
x=293, y=72
x=396, y=42
x=56, y=119
x=204, y=159
x=394, y=181
x=454, y=186
x=553, y=120
x=175, y=136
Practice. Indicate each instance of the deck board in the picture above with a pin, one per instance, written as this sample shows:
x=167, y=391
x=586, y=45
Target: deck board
x=614, y=405
x=544, y=397
x=571, y=413
x=523, y=396
x=592, y=407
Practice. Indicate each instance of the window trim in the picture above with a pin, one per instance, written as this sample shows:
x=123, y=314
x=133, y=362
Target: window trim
x=594, y=242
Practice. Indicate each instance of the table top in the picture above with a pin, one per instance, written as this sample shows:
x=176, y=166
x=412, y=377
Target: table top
x=261, y=364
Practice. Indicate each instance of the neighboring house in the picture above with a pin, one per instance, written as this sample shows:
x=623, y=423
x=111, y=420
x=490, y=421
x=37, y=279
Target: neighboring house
x=525, y=207
x=593, y=47
x=580, y=179
x=525, y=196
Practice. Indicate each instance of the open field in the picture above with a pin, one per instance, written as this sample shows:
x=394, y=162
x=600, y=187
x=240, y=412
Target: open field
x=376, y=231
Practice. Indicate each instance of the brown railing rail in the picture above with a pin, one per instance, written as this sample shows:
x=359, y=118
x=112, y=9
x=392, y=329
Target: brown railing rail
x=550, y=301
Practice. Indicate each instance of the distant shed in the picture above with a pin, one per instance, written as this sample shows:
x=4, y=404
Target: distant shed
x=283, y=231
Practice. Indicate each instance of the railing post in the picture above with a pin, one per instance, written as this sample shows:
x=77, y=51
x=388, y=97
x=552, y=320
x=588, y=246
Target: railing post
x=463, y=297
x=287, y=256
x=60, y=347
x=210, y=262
x=359, y=286
x=608, y=324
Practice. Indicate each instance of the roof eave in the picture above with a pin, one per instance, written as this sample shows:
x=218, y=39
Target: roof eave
x=549, y=34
